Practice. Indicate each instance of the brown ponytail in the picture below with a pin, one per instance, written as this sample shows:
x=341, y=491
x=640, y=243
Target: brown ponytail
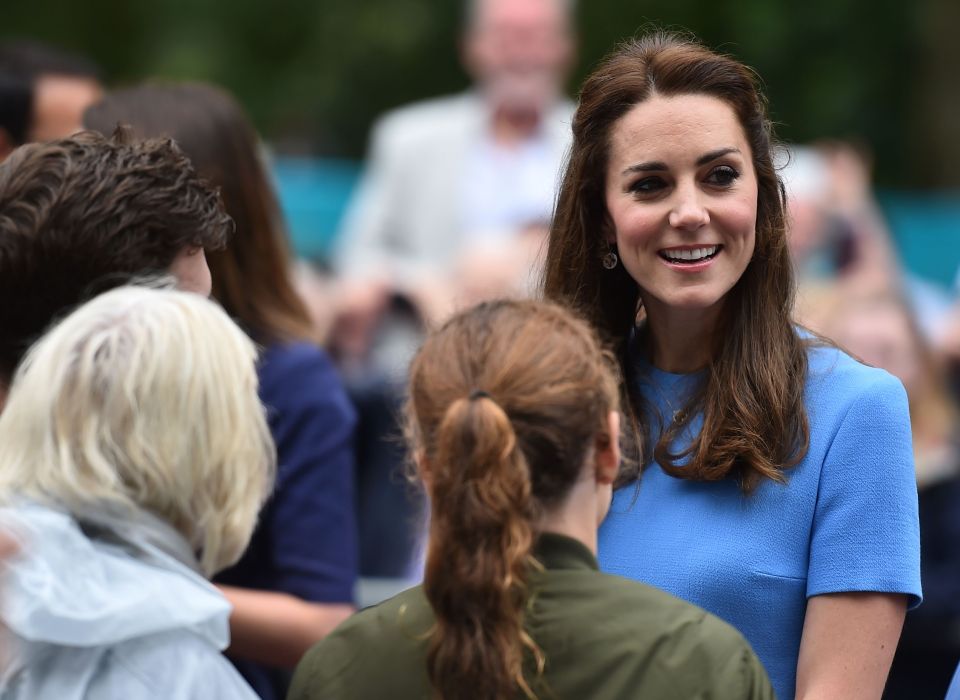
x=479, y=554
x=506, y=401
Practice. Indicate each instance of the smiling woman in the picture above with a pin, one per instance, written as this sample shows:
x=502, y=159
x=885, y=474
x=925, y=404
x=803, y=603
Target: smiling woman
x=683, y=222
x=777, y=482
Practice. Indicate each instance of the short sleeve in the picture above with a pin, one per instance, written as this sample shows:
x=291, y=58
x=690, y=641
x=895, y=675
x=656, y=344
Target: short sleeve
x=953, y=693
x=311, y=519
x=866, y=532
x=306, y=542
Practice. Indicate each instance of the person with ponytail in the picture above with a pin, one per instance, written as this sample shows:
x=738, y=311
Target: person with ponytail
x=513, y=425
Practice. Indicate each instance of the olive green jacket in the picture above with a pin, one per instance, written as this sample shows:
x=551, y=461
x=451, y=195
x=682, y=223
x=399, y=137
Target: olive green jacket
x=602, y=636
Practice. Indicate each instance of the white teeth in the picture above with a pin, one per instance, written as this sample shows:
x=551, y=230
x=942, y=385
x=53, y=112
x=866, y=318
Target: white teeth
x=691, y=254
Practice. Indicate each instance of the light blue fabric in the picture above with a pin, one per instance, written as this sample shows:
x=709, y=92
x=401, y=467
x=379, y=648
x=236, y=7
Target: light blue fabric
x=953, y=693
x=109, y=607
x=845, y=521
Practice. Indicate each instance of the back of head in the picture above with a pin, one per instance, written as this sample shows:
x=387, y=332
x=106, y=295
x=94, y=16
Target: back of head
x=80, y=215
x=506, y=402
x=251, y=277
x=16, y=97
x=50, y=86
x=143, y=399
x=31, y=59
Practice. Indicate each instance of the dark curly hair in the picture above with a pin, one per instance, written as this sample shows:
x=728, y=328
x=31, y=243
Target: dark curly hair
x=87, y=213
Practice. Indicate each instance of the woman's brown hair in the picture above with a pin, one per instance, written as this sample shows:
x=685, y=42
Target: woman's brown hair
x=251, y=277
x=506, y=402
x=754, y=420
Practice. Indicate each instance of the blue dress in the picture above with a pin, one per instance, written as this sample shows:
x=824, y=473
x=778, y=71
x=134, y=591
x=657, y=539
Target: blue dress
x=953, y=692
x=846, y=520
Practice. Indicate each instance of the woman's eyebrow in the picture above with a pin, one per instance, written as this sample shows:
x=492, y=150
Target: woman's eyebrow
x=644, y=167
x=718, y=153
x=656, y=165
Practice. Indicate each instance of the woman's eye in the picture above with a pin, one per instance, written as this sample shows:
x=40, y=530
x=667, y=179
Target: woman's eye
x=722, y=176
x=647, y=185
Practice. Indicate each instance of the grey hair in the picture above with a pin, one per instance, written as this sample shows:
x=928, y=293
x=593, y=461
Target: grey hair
x=144, y=399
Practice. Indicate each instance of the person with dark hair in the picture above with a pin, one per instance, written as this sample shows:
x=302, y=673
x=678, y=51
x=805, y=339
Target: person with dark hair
x=84, y=214
x=43, y=92
x=773, y=482
x=296, y=581
x=513, y=425
x=16, y=97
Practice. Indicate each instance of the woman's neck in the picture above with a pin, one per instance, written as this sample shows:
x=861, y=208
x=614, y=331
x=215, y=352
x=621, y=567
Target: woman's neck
x=680, y=341
x=578, y=515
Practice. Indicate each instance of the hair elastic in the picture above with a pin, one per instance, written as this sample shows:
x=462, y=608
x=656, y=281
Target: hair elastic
x=478, y=394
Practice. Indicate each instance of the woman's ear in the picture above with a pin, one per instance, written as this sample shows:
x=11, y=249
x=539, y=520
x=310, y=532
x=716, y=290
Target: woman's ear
x=608, y=230
x=608, y=450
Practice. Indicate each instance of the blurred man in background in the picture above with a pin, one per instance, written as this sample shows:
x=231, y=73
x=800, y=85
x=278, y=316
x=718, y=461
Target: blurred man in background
x=43, y=93
x=457, y=194
x=458, y=176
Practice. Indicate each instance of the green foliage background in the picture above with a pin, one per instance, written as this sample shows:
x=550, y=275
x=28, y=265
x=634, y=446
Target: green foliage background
x=315, y=73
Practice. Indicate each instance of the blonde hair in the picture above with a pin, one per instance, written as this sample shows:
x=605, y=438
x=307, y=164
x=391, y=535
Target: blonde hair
x=144, y=399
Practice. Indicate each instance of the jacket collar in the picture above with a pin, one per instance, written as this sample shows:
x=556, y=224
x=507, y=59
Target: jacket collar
x=561, y=552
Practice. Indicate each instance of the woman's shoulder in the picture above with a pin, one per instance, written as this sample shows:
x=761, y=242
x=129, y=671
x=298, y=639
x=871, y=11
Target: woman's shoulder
x=300, y=374
x=832, y=373
x=379, y=646
x=406, y=615
x=645, y=629
x=174, y=664
x=282, y=359
x=636, y=614
x=698, y=651
x=660, y=614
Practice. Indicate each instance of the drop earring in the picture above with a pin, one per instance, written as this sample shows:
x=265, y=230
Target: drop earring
x=609, y=259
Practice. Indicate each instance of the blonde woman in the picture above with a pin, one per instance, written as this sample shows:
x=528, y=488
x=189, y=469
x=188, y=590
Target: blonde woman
x=134, y=457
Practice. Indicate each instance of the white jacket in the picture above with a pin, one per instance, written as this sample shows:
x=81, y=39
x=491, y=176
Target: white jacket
x=103, y=607
x=404, y=219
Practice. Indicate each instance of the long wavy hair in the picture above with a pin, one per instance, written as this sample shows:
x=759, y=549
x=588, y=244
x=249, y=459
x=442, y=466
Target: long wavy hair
x=754, y=421
x=507, y=400
x=251, y=276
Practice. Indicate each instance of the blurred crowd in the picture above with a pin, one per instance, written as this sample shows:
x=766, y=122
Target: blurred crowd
x=453, y=208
